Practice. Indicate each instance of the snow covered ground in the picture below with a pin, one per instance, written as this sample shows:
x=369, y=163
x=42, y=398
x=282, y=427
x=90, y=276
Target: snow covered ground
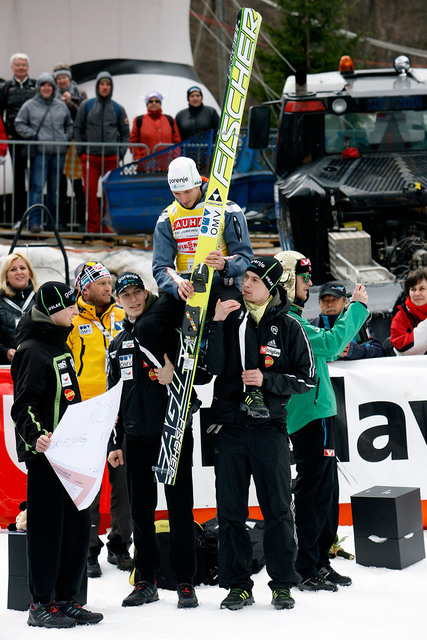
x=381, y=604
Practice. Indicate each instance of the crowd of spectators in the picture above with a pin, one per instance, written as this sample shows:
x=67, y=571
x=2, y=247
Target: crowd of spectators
x=52, y=108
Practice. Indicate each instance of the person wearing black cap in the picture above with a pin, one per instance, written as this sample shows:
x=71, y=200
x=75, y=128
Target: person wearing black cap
x=311, y=430
x=44, y=385
x=248, y=446
x=141, y=417
x=197, y=117
x=332, y=302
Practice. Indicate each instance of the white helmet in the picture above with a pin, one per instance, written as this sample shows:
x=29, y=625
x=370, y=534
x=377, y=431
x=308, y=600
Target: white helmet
x=293, y=264
x=183, y=174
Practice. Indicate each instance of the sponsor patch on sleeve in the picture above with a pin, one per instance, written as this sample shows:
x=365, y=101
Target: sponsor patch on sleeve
x=69, y=394
x=66, y=380
x=126, y=373
x=125, y=361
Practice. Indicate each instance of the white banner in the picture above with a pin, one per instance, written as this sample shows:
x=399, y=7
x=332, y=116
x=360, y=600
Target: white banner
x=381, y=428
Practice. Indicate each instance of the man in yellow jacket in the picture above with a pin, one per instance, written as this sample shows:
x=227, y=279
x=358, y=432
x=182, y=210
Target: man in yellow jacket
x=98, y=321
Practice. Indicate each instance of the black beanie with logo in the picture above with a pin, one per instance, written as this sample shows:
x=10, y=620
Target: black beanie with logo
x=268, y=269
x=53, y=297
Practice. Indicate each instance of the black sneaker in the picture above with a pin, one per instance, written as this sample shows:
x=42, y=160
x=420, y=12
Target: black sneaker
x=93, y=569
x=317, y=583
x=74, y=610
x=121, y=559
x=282, y=599
x=254, y=406
x=48, y=616
x=336, y=578
x=143, y=593
x=237, y=599
x=187, y=598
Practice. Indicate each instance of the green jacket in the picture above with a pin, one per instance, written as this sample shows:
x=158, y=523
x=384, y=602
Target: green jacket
x=326, y=345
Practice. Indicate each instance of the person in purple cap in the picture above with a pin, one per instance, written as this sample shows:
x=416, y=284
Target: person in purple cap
x=197, y=117
x=153, y=128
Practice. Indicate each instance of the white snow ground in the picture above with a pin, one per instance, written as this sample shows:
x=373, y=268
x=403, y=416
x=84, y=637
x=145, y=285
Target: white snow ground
x=381, y=604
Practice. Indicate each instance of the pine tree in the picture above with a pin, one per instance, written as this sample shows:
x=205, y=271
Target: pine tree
x=308, y=36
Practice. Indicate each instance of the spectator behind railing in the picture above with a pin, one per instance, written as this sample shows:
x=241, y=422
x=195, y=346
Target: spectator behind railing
x=3, y=145
x=13, y=94
x=18, y=286
x=72, y=96
x=99, y=119
x=44, y=118
x=409, y=325
x=197, y=117
x=153, y=128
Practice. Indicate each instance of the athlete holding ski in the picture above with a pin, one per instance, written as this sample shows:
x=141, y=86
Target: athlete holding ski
x=212, y=229
x=175, y=244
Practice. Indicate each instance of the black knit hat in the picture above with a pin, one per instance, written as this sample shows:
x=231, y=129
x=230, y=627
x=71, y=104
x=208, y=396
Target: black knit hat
x=268, y=269
x=53, y=297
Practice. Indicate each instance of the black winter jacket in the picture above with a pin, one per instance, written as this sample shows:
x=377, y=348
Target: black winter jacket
x=44, y=380
x=144, y=399
x=10, y=315
x=284, y=357
x=195, y=120
x=100, y=122
x=12, y=97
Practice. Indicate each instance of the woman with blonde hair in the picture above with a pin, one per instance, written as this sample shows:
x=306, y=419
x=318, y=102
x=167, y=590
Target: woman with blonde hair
x=18, y=286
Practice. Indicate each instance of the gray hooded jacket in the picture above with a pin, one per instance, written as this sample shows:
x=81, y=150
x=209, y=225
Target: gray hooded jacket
x=53, y=116
x=99, y=120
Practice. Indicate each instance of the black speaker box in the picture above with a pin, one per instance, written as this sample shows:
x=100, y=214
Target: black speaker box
x=388, y=527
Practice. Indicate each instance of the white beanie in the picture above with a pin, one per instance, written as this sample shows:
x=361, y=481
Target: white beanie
x=183, y=174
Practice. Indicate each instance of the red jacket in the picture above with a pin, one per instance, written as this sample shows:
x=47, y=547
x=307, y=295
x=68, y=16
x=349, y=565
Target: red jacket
x=408, y=334
x=155, y=128
x=3, y=145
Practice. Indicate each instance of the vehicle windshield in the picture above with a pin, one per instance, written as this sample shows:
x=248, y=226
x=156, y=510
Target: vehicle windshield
x=380, y=131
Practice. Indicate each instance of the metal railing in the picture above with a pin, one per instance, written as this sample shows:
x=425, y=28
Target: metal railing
x=64, y=193
x=65, y=188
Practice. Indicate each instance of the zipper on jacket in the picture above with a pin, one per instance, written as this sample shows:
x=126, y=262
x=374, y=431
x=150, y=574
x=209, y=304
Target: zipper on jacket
x=317, y=390
x=79, y=373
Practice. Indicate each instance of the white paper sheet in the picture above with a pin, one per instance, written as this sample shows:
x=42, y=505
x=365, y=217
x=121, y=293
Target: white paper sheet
x=78, y=447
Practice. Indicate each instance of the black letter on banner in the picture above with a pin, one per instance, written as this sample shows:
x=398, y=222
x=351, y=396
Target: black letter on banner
x=340, y=424
x=419, y=409
x=395, y=429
